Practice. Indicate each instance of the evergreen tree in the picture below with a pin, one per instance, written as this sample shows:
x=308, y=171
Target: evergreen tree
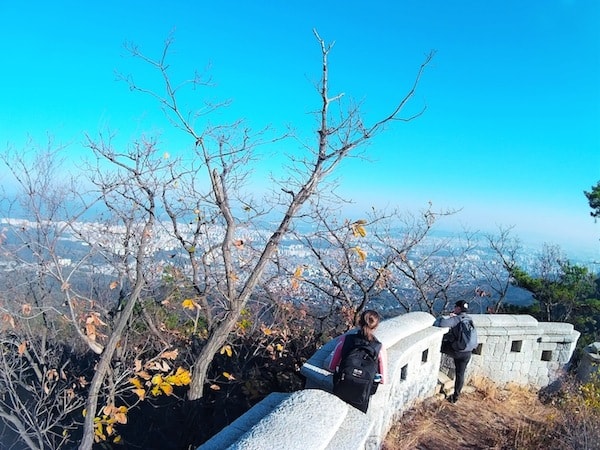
x=593, y=197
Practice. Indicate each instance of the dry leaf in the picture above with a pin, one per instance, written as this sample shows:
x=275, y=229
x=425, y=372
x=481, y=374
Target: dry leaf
x=8, y=318
x=172, y=354
x=295, y=284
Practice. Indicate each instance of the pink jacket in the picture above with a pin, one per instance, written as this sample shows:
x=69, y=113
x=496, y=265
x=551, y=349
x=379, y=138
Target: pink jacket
x=337, y=356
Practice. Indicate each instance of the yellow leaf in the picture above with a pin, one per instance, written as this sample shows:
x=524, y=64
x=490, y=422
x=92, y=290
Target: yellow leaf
x=228, y=376
x=136, y=382
x=166, y=388
x=157, y=379
x=184, y=376
x=361, y=253
x=298, y=272
x=358, y=229
x=84, y=412
x=267, y=331
x=279, y=347
x=226, y=350
x=181, y=377
x=141, y=393
x=155, y=391
x=188, y=303
x=117, y=439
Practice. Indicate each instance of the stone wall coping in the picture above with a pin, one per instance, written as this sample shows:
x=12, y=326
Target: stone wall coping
x=235, y=430
x=556, y=328
x=272, y=425
x=393, y=330
x=504, y=321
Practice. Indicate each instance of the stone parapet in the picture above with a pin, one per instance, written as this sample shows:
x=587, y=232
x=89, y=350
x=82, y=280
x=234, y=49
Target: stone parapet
x=519, y=349
x=512, y=349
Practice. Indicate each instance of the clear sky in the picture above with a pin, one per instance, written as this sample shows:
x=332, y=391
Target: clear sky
x=511, y=133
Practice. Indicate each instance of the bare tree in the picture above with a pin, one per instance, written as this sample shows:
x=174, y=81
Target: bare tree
x=132, y=189
x=431, y=268
x=354, y=262
x=496, y=271
x=199, y=202
x=42, y=304
x=39, y=393
x=222, y=151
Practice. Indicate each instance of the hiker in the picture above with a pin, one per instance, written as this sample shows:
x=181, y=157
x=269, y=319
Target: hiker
x=359, y=363
x=458, y=343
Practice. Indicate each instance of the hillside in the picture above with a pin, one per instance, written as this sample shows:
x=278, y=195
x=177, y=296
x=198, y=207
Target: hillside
x=489, y=418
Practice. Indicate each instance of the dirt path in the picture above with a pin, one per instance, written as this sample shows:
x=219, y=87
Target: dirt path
x=485, y=419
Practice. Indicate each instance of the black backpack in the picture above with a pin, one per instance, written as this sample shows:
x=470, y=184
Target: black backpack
x=353, y=381
x=465, y=335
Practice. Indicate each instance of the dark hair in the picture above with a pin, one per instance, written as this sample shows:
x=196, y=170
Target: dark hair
x=464, y=306
x=368, y=322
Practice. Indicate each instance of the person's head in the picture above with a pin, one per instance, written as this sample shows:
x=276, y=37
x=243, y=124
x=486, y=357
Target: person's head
x=368, y=322
x=461, y=306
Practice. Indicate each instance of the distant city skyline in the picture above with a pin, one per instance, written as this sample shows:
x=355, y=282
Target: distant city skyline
x=510, y=134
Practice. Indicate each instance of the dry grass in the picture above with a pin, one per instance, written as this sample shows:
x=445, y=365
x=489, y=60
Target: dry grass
x=489, y=418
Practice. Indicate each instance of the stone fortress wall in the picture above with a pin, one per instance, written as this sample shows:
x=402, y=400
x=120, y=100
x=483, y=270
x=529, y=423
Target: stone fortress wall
x=512, y=349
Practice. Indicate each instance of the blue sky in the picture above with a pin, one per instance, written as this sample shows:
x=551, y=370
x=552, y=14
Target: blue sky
x=511, y=133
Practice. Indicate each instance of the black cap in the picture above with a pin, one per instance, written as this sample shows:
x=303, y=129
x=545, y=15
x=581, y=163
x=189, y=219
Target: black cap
x=464, y=306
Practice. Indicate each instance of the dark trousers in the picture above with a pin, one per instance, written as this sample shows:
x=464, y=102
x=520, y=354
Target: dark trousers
x=461, y=359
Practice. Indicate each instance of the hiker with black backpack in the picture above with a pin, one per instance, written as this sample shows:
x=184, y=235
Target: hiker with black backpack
x=359, y=363
x=458, y=343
